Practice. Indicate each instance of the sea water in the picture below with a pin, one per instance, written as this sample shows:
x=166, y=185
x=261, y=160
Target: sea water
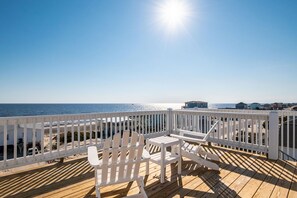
x=8, y=110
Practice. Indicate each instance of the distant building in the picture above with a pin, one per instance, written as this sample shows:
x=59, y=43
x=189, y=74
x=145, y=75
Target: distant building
x=277, y=106
x=241, y=105
x=255, y=106
x=267, y=107
x=195, y=104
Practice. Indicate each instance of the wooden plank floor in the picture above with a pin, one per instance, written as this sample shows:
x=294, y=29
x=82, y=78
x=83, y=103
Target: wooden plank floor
x=240, y=175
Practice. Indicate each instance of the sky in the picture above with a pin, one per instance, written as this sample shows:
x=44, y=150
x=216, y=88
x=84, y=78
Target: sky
x=118, y=51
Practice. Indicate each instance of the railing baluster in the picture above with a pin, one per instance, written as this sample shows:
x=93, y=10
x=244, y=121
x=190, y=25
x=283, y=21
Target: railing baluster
x=252, y=133
x=142, y=124
x=85, y=131
x=219, y=128
x=5, y=143
x=101, y=129
x=246, y=132
x=50, y=135
x=155, y=123
x=25, y=139
x=234, y=130
x=288, y=133
x=282, y=132
x=96, y=130
x=106, y=128
x=65, y=133
x=42, y=137
x=138, y=124
x=78, y=132
x=115, y=125
x=294, y=136
x=72, y=134
x=91, y=131
x=58, y=134
x=34, y=138
x=239, y=130
x=228, y=129
x=164, y=122
x=15, y=144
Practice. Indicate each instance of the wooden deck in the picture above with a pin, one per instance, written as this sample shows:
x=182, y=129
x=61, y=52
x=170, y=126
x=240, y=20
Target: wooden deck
x=241, y=175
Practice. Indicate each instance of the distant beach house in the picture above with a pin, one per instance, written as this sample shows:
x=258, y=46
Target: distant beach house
x=241, y=105
x=277, y=106
x=267, y=106
x=255, y=106
x=195, y=104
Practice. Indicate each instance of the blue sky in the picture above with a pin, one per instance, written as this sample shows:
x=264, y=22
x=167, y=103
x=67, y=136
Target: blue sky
x=114, y=51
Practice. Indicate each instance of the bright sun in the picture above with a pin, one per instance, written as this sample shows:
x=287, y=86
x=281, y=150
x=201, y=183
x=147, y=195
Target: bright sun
x=173, y=15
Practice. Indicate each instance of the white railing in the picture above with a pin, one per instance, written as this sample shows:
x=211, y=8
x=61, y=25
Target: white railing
x=235, y=111
x=60, y=136
x=288, y=134
x=239, y=130
x=65, y=135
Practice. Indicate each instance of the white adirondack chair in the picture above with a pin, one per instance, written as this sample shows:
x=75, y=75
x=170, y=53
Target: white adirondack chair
x=120, y=162
x=196, y=152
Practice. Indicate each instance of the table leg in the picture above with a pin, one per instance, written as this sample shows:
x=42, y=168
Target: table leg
x=180, y=158
x=162, y=163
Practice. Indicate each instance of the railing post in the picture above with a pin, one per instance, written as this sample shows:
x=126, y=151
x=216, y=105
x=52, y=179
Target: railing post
x=169, y=121
x=273, y=135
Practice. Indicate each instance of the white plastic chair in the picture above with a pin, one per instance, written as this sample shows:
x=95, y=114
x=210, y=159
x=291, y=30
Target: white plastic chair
x=120, y=162
x=196, y=152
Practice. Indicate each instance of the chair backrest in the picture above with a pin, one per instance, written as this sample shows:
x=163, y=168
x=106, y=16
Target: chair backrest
x=121, y=157
x=195, y=136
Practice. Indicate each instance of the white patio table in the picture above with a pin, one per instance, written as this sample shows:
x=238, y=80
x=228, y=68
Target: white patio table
x=164, y=157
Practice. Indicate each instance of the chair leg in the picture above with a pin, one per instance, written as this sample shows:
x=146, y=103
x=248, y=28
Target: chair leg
x=140, y=184
x=147, y=171
x=96, y=184
x=97, y=192
x=179, y=166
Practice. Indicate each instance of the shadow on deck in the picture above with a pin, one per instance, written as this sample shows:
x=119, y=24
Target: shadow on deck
x=240, y=175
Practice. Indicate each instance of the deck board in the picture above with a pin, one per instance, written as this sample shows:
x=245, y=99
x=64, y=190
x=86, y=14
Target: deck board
x=240, y=175
x=260, y=175
x=267, y=187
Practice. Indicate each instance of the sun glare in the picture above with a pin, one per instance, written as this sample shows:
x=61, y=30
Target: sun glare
x=173, y=15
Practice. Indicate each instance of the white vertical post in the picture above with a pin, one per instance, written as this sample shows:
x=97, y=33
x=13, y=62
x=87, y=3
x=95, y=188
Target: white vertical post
x=273, y=135
x=78, y=132
x=169, y=121
x=96, y=130
x=72, y=133
x=50, y=134
x=5, y=143
x=15, y=144
x=42, y=137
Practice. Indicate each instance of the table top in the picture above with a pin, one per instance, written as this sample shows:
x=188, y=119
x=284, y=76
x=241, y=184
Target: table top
x=166, y=140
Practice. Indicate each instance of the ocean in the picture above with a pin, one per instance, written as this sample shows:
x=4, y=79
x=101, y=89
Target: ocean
x=9, y=110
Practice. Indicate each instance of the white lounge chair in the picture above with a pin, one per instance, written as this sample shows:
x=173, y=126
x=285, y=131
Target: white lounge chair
x=120, y=162
x=196, y=152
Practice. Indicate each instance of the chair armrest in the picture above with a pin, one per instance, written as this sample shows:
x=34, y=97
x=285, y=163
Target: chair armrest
x=189, y=139
x=93, y=156
x=145, y=154
x=95, y=163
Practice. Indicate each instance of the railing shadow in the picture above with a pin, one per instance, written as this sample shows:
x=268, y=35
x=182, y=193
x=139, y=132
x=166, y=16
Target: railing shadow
x=60, y=175
x=46, y=179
